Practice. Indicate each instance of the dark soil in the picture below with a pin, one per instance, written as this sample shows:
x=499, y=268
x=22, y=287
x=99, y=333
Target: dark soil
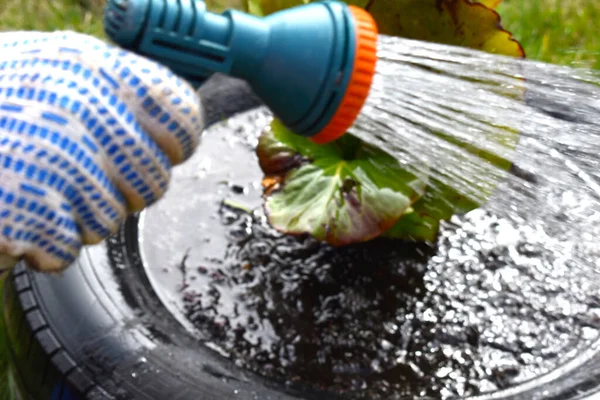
x=490, y=305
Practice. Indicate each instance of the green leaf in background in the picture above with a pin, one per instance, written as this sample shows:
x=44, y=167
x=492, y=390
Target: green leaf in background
x=343, y=192
x=266, y=7
x=466, y=23
x=453, y=22
x=219, y=6
x=489, y=3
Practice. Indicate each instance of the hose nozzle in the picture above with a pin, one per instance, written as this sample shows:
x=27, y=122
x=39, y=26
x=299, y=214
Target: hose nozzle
x=312, y=65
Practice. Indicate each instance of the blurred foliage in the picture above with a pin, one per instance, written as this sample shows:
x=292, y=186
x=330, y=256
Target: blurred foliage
x=555, y=31
x=454, y=22
x=50, y=15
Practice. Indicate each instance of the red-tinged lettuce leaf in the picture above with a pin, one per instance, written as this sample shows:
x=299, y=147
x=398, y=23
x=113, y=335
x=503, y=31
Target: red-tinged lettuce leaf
x=465, y=23
x=454, y=22
x=343, y=192
x=316, y=190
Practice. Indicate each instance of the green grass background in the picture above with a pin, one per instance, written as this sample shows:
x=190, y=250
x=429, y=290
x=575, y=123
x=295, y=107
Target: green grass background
x=555, y=31
x=560, y=32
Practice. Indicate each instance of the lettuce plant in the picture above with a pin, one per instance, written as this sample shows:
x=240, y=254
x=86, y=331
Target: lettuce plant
x=347, y=191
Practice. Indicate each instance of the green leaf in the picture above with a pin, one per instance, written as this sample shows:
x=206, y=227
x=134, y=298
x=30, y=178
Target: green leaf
x=454, y=22
x=466, y=23
x=343, y=192
x=490, y=3
x=219, y=6
x=266, y=7
x=440, y=202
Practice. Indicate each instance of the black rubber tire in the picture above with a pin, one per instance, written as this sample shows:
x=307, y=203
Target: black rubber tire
x=78, y=336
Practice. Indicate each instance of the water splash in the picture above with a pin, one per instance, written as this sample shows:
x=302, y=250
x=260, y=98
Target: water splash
x=504, y=304
x=492, y=306
x=445, y=112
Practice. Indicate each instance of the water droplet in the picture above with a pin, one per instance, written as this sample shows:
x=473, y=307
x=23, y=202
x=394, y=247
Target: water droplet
x=385, y=345
x=443, y=372
x=376, y=365
x=390, y=327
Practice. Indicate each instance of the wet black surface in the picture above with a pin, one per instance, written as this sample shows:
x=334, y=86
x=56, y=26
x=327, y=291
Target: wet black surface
x=391, y=317
x=492, y=304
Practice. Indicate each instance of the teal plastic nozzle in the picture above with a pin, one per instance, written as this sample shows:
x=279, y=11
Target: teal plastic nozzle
x=312, y=65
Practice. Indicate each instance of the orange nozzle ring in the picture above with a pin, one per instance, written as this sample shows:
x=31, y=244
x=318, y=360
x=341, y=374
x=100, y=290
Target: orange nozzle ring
x=360, y=81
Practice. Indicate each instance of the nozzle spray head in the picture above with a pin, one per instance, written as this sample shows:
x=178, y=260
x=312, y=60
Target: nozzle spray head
x=312, y=65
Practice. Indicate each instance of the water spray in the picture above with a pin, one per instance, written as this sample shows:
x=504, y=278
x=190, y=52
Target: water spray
x=312, y=65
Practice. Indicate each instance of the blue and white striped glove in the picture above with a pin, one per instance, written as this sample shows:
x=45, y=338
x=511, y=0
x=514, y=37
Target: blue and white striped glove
x=88, y=133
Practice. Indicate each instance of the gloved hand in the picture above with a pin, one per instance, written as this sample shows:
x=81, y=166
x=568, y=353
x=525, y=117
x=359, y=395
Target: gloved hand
x=88, y=133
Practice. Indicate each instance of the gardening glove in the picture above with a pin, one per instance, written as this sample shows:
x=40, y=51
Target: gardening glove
x=88, y=134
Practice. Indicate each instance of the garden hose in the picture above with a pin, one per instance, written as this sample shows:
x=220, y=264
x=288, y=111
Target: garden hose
x=312, y=65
